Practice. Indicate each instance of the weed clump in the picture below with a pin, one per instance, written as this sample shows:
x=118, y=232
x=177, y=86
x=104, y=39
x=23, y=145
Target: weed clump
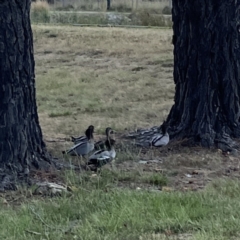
x=147, y=18
x=167, y=10
x=40, y=12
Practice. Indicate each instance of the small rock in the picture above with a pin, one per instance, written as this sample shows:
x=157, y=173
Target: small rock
x=143, y=162
x=48, y=188
x=4, y=201
x=138, y=188
x=167, y=189
x=94, y=175
x=188, y=175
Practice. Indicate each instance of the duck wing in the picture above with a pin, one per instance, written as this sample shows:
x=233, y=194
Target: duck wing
x=79, y=139
x=100, y=158
x=99, y=145
x=160, y=140
x=80, y=149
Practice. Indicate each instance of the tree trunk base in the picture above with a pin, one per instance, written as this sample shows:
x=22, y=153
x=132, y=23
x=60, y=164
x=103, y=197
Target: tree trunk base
x=221, y=140
x=11, y=177
x=12, y=180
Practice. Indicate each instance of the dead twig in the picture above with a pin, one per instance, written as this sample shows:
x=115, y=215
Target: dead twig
x=43, y=222
x=32, y=232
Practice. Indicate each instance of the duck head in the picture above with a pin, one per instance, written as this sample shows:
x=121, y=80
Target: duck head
x=109, y=131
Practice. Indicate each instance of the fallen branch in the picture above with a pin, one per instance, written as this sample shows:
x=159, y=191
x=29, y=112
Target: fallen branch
x=32, y=232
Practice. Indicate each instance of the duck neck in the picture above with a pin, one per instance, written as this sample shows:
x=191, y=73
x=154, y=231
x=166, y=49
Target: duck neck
x=108, y=144
x=164, y=130
x=89, y=135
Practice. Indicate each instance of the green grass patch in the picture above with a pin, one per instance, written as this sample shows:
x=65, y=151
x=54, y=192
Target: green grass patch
x=107, y=213
x=59, y=114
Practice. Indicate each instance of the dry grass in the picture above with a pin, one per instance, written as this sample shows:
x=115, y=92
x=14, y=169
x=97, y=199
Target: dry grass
x=141, y=13
x=40, y=5
x=118, y=5
x=40, y=11
x=120, y=78
x=106, y=77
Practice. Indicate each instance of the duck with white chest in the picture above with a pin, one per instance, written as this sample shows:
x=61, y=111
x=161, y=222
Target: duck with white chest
x=159, y=139
x=103, y=156
x=84, y=147
x=99, y=145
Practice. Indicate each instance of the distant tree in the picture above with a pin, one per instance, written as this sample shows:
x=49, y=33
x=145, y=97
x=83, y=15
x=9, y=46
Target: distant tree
x=108, y=4
x=206, y=71
x=21, y=142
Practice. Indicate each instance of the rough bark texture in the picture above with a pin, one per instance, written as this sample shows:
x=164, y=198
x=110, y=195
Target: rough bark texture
x=206, y=71
x=21, y=143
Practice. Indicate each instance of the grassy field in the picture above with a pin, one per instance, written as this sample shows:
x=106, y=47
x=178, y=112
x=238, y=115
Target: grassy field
x=104, y=76
x=120, y=78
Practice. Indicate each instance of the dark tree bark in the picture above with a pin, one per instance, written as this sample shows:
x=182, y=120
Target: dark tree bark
x=108, y=4
x=21, y=141
x=206, y=71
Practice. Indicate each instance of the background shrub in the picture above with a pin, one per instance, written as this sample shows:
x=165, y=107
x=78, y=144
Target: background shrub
x=40, y=12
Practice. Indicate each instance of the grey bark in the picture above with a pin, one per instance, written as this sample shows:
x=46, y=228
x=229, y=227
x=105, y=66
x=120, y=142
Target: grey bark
x=206, y=71
x=21, y=141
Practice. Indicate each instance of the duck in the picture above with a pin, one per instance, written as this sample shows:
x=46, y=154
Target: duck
x=103, y=156
x=84, y=147
x=159, y=139
x=83, y=138
x=99, y=145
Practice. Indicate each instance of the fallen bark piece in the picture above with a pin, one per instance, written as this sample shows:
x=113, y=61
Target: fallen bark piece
x=48, y=188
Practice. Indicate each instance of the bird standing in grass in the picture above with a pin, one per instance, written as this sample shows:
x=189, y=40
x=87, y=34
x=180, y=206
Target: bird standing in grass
x=84, y=147
x=161, y=138
x=157, y=139
x=103, y=156
x=99, y=145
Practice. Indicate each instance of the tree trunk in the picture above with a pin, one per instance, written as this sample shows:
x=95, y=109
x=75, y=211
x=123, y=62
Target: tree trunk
x=206, y=71
x=21, y=141
x=108, y=4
